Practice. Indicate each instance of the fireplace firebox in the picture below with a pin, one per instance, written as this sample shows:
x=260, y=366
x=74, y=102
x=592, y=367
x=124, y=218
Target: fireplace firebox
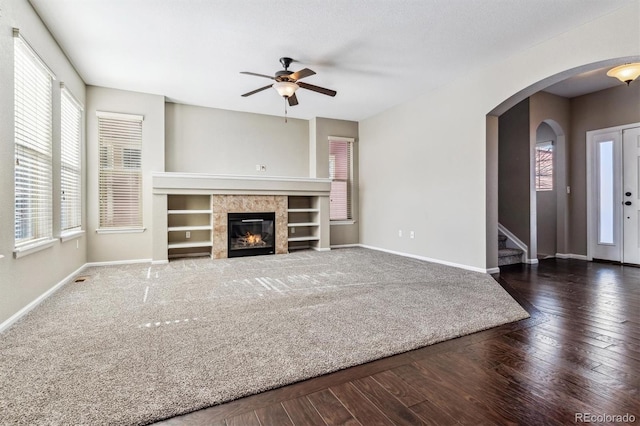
x=251, y=234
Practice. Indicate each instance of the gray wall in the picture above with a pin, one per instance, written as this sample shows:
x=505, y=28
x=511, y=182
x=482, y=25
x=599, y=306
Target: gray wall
x=23, y=280
x=208, y=140
x=555, y=112
x=319, y=131
x=124, y=246
x=514, y=166
x=546, y=204
x=612, y=107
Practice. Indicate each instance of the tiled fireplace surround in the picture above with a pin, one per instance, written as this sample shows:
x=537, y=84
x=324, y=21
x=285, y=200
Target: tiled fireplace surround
x=223, y=204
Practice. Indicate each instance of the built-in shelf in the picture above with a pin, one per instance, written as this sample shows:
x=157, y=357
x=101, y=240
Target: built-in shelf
x=190, y=228
x=304, y=222
x=307, y=238
x=310, y=210
x=190, y=244
x=190, y=225
x=293, y=225
x=190, y=211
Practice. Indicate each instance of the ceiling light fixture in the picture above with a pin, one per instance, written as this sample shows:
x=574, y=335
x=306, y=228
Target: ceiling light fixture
x=285, y=88
x=625, y=73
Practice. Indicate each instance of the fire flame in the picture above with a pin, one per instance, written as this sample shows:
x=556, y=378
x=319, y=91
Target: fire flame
x=253, y=239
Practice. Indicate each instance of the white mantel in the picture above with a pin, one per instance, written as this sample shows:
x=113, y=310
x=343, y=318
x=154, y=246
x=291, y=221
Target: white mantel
x=201, y=183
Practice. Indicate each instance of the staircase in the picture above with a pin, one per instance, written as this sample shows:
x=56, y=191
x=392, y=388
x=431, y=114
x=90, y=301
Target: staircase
x=507, y=256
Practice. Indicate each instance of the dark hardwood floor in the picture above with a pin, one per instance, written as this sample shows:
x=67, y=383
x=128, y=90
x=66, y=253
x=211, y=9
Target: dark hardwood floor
x=578, y=353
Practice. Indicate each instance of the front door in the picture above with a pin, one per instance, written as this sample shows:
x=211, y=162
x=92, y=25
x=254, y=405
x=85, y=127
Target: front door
x=631, y=195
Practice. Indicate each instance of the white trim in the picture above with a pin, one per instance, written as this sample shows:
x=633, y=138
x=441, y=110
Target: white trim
x=119, y=116
x=71, y=235
x=571, y=256
x=28, y=249
x=120, y=230
x=72, y=97
x=429, y=259
x=338, y=246
x=341, y=139
x=531, y=261
x=22, y=312
x=516, y=241
x=118, y=262
x=495, y=270
x=321, y=248
x=159, y=262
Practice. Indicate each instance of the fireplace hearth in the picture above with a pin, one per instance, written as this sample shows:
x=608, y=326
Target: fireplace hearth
x=251, y=234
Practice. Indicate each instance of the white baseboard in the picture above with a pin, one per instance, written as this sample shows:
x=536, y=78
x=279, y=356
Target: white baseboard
x=336, y=246
x=571, y=256
x=531, y=261
x=118, y=262
x=22, y=312
x=493, y=271
x=159, y=262
x=321, y=248
x=429, y=259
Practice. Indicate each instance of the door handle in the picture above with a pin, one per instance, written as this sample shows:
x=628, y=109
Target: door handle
x=627, y=203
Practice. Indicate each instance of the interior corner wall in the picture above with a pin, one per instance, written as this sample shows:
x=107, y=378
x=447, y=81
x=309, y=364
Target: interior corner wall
x=124, y=246
x=216, y=141
x=552, y=207
x=343, y=233
x=617, y=106
x=25, y=279
x=514, y=172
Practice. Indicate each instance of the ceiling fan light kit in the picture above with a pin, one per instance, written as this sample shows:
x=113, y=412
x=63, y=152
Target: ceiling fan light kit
x=285, y=88
x=625, y=73
x=287, y=82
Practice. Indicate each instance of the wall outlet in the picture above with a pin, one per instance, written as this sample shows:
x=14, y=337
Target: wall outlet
x=412, y=235
x=400, y=233
x=258, y=167
x=188, y=234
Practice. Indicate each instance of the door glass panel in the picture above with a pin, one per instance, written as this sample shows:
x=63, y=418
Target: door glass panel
x=605, y=193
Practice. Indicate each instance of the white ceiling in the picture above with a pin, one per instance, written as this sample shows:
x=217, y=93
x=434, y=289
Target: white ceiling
x=375, y=53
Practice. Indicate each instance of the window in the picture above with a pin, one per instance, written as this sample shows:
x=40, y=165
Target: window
x=544, y=166
x=70, y=162
x=33, y=146
x=340, y=169
x=120, y=180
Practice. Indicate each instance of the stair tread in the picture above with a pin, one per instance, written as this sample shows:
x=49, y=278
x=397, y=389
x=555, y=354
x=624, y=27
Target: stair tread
x=509, y=252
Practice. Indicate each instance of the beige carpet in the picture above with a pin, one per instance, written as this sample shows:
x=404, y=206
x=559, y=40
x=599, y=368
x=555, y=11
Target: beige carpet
x=135, y=344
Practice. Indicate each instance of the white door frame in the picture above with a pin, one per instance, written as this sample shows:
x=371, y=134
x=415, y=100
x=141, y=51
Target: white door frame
x=591, y=217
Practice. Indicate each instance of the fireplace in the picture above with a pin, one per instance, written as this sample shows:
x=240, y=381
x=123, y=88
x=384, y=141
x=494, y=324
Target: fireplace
x=251, y=234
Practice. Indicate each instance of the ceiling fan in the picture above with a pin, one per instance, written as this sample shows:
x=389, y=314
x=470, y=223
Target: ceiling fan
x=287, y=82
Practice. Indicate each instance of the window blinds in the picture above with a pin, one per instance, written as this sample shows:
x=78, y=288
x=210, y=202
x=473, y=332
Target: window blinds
x=340, y=153
x=33, y=145
x=120, y=144
x=71, y=171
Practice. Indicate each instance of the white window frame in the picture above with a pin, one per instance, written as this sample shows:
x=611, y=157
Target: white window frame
x=350, y=147
x=118, y=133
x=539, y=148
x=33, y=162
x=71, y=113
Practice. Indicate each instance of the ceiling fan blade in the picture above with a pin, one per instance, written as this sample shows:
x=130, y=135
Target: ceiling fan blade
x=293, y=100
x=322, y=90
x=306, y=72
x=257, y=75
x=257, y=90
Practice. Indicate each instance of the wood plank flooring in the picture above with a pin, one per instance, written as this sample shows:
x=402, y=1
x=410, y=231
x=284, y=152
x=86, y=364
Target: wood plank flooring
x=578, y=353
